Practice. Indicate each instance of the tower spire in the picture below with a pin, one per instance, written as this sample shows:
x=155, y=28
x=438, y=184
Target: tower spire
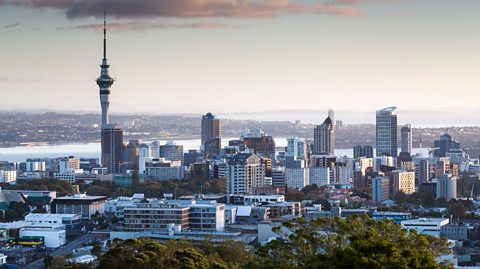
x=104, y=34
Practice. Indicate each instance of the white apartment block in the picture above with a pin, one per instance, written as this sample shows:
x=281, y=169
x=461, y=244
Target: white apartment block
x=8, y=176
x=297, y=177
x=319, y=176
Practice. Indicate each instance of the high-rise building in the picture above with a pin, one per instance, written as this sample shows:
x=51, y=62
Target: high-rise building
x=297, y=177
x=331, y=115
x=278, y=176
x=263, y=145
x=245, y=172
x=406, y=138
x=362, y=151
x=447, y=187
x=112, y=147
x=380, y=188
x=211, y=135
x=68, y=163
x=403, y=181
x=171, y=151
x=423, y=171
x=445, y=145
x=111, y=136
x=324, y=137
x=131, y=156
x=296, y=147
x=386, y=132
x=319, y=176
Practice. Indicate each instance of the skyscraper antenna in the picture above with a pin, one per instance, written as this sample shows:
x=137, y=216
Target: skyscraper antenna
x=104, y=34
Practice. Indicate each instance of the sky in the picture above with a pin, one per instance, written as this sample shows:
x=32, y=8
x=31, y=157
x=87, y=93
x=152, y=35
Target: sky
x=246, y=58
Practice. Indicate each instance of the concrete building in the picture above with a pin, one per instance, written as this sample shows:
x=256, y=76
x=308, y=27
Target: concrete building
x=380, y=189
x=112, y=148
x=423, y=171
x=324, y=137
x=154, y=216
x=211, y=135
x=386, y=132
x=172, y=152
x=35, y=165
x=278, y=176
x=80, y=204
x=54, y=235
x=130, y=156
x=69, y=220
x=444, y=145
x=406, y=139
x=297, y=178
x=455, y=231
x=8, y=176
x=403, y=181
x=245, y=172
x=296, y=148
x=447, y=187
x=68, y=164
x=161, y=169
x=319, y=176
x=430, y=226
x=362, y=151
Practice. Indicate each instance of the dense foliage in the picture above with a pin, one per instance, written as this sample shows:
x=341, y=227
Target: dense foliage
x=358, y=242
x=62, y=187
x=148, y=253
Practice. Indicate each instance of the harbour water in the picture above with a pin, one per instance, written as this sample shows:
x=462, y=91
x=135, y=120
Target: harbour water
x=92, y=150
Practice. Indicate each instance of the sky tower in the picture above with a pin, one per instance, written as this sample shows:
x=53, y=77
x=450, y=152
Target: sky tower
x=104, y=82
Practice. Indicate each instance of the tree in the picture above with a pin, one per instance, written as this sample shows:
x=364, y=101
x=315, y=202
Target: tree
x=457, y=210
x=97, y=250
x=294, y=195
x=16, y=211
x=135, y=180
x=358, y=242
x=58, y=262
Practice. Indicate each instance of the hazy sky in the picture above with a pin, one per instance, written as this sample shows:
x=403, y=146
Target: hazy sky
x=192, y=56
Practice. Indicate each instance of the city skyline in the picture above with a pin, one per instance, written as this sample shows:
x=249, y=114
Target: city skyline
x=173, y=67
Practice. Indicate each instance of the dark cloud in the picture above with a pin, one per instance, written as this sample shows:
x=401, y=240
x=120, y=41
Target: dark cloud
x=145, y=25
x=186, y=8
x=12, y=25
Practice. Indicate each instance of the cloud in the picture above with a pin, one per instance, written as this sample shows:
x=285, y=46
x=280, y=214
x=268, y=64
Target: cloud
x=337, y=10
x=188, y=8
x=165, y=8
x=12, y=25
x=4, y=79
x=145, y=25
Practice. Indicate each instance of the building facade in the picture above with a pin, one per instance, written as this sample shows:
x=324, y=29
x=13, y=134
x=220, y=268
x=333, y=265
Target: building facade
x=324, y=137
x=406, y=139
x=386, y=132
x=380, y=189
x=403, y=181
x=245, y=172
x=211, y=135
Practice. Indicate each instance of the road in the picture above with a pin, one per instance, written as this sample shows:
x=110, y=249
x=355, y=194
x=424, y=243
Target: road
x=62, y=251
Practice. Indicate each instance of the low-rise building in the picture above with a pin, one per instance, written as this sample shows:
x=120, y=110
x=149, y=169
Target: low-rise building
x=80, y=204
x=430, y=226
x=455, y=231
x=69, y=220
x=54, y=235
x=154, y=215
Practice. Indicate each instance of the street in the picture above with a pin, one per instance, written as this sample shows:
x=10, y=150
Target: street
x=62, y=251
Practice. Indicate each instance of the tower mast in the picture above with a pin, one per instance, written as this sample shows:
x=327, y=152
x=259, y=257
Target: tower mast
x=104, y=82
